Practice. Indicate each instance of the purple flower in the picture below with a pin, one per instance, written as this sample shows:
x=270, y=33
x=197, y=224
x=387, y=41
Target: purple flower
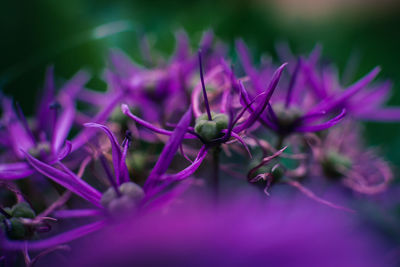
x=47, y=137
x=122, y=197
x=295, y=109
x=340, y=155
x=211, y=128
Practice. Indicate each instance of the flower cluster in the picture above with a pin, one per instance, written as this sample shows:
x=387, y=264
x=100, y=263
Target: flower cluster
x=180, y=130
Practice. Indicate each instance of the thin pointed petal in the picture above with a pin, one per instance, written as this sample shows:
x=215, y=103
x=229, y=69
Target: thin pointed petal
x=311, y=195
x=322, y=126
x=170, y=148
x=12, y=171
x=54, y=240
x=72, y=183
x=264, y=102
x=63, y=126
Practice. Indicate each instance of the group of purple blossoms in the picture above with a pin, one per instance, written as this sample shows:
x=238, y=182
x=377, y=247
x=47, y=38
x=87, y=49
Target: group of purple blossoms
x=200, y=106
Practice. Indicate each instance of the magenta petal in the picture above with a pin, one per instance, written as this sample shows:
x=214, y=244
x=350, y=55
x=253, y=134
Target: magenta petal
x=115, y=147
x=64, y=151
x=264, y=101
x=170, y=149
x=11, y=171
x=63, y=126
x=55, y=240
x=83, y=137
x=70, y=182
x=322, y=126
x=389, y=114
x=68, y=214
x=188, y=171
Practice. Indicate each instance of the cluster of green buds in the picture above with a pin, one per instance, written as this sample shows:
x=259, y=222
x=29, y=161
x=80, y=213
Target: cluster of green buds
x=128, y=197
x=211, y=129
x=11, y=222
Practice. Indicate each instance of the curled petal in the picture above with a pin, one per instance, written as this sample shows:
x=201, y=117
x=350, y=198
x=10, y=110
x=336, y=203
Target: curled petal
x=116, y=149
x=64, y=151
x=148, y=125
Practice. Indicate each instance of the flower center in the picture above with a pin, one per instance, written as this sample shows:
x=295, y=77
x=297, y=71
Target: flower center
x=287, y=117
x=39, y=149
x=131, y=195
x=211, y=129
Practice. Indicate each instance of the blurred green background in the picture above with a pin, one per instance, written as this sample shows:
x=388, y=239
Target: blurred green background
x=35, y=34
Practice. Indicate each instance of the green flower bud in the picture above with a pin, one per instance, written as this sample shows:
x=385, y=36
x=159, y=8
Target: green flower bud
x=132, y=190
x=121, y=205
x=221, y=120
x=131, y=195
x=22, y=210
x=17, y=229
x=108, y=196
x=210, y=130
x=206, y=129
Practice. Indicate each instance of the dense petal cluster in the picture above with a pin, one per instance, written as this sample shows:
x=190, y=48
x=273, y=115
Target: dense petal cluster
x=174, y=132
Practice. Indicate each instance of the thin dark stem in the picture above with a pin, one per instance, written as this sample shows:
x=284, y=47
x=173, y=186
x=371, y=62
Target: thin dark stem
x=109, y=175
x=215, y=175
x=206, y=103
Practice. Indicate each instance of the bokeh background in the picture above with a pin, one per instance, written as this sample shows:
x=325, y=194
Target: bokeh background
x=77, y=34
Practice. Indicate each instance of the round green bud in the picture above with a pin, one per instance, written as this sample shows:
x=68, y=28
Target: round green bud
x=22, y=210
x=221, y=120
x=204, y=117
x=108, y=196
x=132, y=190
x=207, y=129
x=211, y=129
x=121, y=205
x=17, y=229
x=336, y=165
